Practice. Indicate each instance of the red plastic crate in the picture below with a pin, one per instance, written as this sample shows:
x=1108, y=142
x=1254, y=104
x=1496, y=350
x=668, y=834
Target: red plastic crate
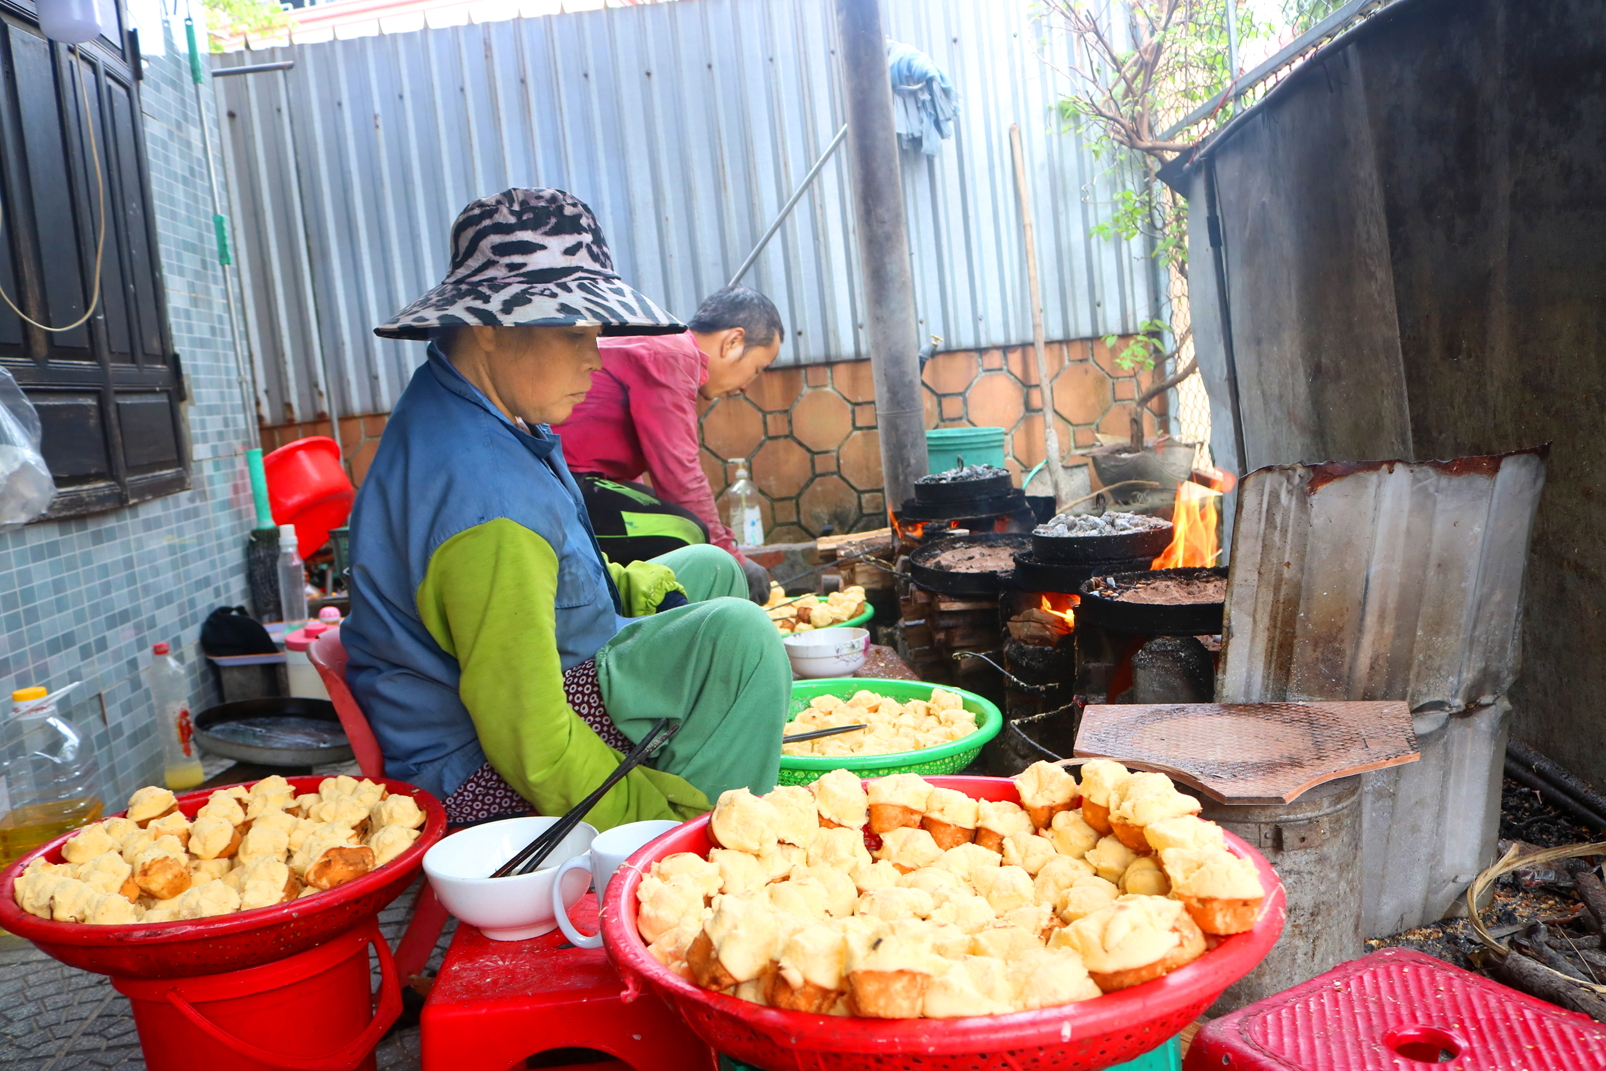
x=1399, y=1010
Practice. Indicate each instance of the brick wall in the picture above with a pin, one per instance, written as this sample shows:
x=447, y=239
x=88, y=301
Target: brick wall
x=809, y=435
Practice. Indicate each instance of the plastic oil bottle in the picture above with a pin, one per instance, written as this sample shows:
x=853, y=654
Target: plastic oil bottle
x=741, y=508
x=170, y=689
x=48, y=776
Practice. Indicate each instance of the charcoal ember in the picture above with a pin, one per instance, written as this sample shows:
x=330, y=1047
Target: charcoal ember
x=963, y=475
x=1073, y=525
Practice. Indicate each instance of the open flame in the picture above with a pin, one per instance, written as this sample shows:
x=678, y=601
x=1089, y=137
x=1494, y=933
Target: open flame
x=1193, y=519
x=1065, y=612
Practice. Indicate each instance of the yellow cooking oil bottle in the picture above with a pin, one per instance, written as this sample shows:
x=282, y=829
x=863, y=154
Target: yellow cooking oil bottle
x=48, y=778
x=170, y=688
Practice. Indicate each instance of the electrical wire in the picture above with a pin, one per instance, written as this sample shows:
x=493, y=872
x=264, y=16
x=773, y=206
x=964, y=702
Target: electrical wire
x=100, y=242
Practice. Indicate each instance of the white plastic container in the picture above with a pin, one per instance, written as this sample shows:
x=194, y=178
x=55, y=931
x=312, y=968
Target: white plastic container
x=304, y=678
x=72, y=22
x=742, y=512
x=170, y=691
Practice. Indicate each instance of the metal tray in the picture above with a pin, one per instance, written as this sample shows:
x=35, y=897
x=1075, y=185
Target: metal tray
x=285, y=747
x=949, y=582
x=1079, y=550
x=1147, y=618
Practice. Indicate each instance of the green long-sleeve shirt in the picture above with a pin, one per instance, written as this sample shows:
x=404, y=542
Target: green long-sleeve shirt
x=488, y=598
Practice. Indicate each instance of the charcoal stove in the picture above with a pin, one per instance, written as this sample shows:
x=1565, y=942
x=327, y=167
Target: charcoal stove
x=1131, y=650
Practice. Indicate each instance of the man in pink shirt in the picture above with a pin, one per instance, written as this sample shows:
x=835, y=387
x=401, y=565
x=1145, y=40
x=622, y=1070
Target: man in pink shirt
x=640, y=417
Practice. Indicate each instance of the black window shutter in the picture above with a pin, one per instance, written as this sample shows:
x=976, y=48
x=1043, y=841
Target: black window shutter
x=108, y=392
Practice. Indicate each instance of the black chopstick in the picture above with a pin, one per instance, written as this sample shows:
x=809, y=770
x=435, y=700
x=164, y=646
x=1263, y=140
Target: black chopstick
x=533, y=854
x=815, y=734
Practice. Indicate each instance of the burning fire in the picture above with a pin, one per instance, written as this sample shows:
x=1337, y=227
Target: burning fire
x=1065, y=613
x=1193, y=518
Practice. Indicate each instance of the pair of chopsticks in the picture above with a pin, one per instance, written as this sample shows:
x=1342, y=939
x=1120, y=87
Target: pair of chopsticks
x=815, y=734
x=529, y=858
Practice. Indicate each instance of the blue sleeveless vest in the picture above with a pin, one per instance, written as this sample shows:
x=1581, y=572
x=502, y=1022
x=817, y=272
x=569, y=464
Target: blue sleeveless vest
x=448, y=461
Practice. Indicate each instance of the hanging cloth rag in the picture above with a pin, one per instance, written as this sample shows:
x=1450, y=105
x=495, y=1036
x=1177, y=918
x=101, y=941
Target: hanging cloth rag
x=923, y=102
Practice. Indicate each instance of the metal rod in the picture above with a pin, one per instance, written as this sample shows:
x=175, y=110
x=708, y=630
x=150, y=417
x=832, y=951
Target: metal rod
x=883, y=244
x=1232, y=50
x=252, y=68
x=786, y=209
x=1218, y=263
x=1058, y=478
x=220, y=224
x=1240, y=86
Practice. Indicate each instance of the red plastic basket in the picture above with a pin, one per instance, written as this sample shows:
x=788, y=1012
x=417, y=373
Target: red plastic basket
x=226, y=942
x=1093, y=1034
x=307, y=487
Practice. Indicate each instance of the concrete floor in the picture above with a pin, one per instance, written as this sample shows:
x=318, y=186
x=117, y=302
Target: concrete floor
x=55, y=1018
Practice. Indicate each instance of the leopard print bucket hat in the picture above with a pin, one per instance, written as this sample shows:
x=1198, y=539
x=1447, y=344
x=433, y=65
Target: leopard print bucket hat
x=530, y=257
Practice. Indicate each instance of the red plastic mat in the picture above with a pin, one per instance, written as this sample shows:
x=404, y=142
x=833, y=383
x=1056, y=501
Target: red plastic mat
x=1398, y=1010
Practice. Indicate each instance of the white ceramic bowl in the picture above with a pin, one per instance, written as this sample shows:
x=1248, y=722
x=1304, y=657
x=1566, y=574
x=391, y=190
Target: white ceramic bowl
x=828, y=652
x=512, y=908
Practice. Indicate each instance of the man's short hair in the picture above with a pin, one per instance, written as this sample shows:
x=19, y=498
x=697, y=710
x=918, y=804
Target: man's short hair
x=740, y=306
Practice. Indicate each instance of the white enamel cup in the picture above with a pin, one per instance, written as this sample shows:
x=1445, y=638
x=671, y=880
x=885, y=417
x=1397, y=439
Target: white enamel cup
x=608, y=852
x=505, y=909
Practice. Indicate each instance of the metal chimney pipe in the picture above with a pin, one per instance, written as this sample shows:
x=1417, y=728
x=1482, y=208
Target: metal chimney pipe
x=889, y=292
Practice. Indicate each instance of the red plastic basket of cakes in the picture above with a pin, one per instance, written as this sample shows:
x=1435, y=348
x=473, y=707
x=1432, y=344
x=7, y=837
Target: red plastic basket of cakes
x=226, y=942
x=1098, y=1033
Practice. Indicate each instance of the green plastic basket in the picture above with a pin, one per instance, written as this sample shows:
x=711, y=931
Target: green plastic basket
x=944, y=758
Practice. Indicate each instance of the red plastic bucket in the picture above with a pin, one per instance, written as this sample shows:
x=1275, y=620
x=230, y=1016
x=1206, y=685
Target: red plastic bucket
x=308, y=1012
x=308, y=488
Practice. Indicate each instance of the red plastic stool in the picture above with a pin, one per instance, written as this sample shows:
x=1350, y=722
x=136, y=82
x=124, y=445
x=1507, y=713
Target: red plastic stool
x=1398, y=1010
x=495, y=1003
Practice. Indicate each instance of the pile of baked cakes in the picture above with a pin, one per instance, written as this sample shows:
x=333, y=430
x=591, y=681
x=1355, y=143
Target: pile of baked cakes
x=246, y=848
x=898, y=899
x=811, y=611
x=890, y=725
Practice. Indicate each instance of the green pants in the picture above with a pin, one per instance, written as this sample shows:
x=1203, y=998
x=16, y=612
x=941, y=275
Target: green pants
x=717, y=666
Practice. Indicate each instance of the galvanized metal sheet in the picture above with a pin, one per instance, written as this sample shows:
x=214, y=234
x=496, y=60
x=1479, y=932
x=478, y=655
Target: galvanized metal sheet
x=685, y=126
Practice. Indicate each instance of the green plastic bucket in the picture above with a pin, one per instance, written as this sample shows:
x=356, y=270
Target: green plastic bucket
x=978, y=446
x=944, y=758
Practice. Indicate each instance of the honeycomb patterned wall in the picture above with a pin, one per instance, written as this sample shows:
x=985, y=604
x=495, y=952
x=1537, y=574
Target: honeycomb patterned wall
x=809, y=434
x=809, y=437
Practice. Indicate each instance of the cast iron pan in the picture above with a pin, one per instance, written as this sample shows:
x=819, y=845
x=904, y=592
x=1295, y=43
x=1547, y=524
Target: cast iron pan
x=918, y=509
x=948, y=582
x=1098, y=610
x=1034, y=575
x=280, y=731
x=964, y=490
x=1078, y=550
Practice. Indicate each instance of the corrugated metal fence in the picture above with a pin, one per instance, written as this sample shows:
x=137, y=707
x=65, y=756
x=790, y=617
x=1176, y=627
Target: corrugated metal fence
x=685, y=126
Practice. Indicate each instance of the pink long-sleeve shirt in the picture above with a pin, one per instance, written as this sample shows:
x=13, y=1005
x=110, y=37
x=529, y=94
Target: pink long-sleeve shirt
x=640, y=416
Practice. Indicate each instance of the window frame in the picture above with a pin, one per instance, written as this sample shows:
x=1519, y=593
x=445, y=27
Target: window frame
x=96, y=389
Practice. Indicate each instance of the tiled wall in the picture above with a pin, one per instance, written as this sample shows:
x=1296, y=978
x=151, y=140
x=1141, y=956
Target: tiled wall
x=84, y=599
x=809, y=434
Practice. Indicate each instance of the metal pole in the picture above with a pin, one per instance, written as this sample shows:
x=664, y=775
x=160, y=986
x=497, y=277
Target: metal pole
x=791, y=203
x=220, y=231
x=883, y=240
x=1232, y=49
x=1058, y=479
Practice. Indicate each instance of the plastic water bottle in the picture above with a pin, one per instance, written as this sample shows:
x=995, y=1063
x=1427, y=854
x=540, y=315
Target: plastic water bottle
x=292, y=581
x=48, y=777
x=741, y=508
x=170, y=691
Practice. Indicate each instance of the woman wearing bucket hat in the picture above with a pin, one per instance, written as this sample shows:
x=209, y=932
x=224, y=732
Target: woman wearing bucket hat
x=502, y=660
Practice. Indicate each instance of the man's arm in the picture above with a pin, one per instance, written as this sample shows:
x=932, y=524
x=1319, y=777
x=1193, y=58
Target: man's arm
x=488, y=600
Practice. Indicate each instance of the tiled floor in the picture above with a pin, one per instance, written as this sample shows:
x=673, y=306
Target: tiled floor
x=56, y=1018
